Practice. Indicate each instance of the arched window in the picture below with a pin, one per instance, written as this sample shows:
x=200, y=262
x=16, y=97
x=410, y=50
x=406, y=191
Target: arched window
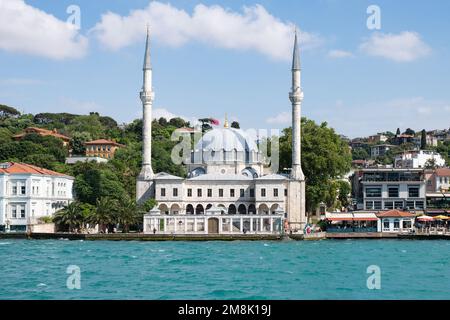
x=242, y=209
x=251, y=209
x=232, y=209
x=199, y=209
x=189, y=209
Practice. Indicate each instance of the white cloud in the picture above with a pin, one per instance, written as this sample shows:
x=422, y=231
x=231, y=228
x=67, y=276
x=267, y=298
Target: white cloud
x=403, y=47
x=28, y=30
x=281, y=118
x=253, y=29
x=339, y=54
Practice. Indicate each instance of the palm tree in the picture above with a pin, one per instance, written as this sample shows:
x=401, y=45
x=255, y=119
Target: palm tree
x=105, y=212
x=71, y=215
x=130, y=213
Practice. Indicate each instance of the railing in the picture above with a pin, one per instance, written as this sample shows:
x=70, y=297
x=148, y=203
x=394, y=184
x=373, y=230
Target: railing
x=351, y=229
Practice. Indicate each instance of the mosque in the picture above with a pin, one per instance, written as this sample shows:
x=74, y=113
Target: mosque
x=228, y=189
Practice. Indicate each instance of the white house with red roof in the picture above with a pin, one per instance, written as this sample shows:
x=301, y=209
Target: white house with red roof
x=28, y=193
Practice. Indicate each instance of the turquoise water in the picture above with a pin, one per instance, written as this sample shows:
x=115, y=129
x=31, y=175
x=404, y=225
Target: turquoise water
x=36, y=269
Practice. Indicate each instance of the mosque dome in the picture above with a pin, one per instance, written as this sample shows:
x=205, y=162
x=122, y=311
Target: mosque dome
x=226, y=146
x=226, y=139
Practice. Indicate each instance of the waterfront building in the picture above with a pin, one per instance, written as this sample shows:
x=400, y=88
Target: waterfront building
x=102, y=148
x=380, y=189
x=351, y=222
x=438, y=191
x=418, y=159
x=395, y=221
x=228, y=189
x=28, y=193
x=43, y=133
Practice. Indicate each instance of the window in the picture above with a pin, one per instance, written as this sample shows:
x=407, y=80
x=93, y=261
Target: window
x=398, y=204
x=14, y=212
x=386, y=224
x=163, y=192
x=407, y=224
x=373, y=192
x=242, y=193
x=419, y=205
x=231, y=193
x=175, y=192
x=22, y=211
x=413, y=191
x=209, y=193
x=14, y=190
x=220, y=192
x=275, y=192
x=369, y=205
x=396, y=224
x=22, y=190
x=189, y=192
x=252, y=193
x=285, y=192
x=263, y=192
x=377, y=205
x=199, y=192
x=388, y=205
x=393, y=192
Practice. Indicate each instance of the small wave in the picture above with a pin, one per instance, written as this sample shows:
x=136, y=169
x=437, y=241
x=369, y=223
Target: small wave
x=5, y=243
x=41, y=285
x=266, y=244
x=64, y=239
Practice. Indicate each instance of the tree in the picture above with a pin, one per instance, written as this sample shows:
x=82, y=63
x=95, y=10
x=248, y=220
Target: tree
x=360, y=154
x=105, y=213
x=397, y=132
x=410, y=132
x=423, y=140
x=77, y=144
x=149, y=204
x=129, y=213
x=235, y=125
x=178, y=122
x=344, y=193
x=430, y=164
x=325, y=157
x=7, y=111
x=71, y=216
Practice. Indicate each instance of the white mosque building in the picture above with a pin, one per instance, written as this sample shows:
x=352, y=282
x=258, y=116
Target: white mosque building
x=228, y=189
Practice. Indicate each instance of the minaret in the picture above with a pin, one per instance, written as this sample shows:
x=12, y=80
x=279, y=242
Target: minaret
x=296, y=204
x=144, y=183
x=296, y=97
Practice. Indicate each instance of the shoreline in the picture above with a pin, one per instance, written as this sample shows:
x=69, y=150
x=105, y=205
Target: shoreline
x=206, y=237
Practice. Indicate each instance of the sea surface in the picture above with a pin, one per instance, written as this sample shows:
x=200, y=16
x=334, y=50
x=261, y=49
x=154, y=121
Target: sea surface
x=328, y=269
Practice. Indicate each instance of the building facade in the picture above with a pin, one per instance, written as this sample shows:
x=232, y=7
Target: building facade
x=102, y=148
x=380, y=189
x=229, y=188
x=418, y=159
x=28, y=193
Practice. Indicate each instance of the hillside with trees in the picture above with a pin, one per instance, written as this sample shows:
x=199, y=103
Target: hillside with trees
x=325, y=158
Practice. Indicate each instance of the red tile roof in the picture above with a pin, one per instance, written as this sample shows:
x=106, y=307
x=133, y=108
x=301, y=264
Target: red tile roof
x=443, y=172
x=24, y=168
x=42, y=132
x=104, y=141
x=395, y=214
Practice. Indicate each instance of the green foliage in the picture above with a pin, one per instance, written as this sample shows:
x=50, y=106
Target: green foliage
x=423, y=140
x=7, y=111
x=78, y=141
x=360, y=154
x=235, y=125
x=149, y=204
x=325, y=157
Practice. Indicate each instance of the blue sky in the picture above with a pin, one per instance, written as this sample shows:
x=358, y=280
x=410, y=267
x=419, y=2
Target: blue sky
x=215, y=57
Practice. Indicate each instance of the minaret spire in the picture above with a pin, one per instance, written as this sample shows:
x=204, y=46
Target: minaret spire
x=296, y=97
x=147, y=96
x=147, y=60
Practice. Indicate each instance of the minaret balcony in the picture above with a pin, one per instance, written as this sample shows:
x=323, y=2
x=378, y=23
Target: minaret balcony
x=147, y=96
